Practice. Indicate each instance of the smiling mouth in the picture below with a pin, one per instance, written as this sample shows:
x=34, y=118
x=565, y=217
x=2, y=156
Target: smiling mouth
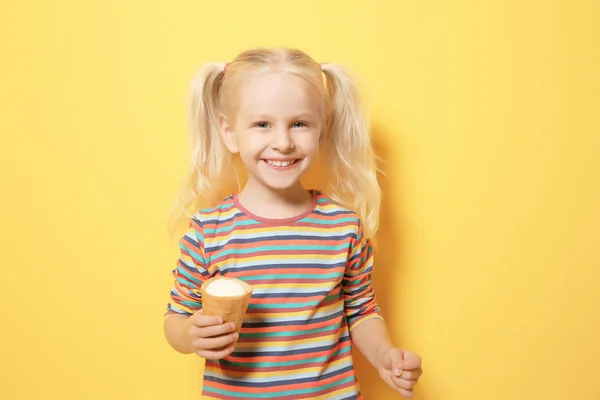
x=281, y=163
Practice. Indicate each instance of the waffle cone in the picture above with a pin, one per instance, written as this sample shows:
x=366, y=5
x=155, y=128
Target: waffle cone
x=230, y=308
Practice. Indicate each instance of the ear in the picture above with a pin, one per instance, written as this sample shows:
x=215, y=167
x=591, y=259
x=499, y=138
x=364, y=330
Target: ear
x=228, y=134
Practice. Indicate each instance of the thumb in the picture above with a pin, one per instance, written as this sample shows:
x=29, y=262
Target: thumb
x=410, y=361
x=399, y=363
x=394, y=361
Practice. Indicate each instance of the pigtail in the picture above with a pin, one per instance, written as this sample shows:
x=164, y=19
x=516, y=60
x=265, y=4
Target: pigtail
x=349, y=149
x=210, y=159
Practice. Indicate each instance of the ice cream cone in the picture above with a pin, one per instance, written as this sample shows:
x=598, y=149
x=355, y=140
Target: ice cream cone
x=231, y=307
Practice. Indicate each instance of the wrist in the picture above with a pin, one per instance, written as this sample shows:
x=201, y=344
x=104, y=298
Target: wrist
x=177, y=332
x=186, y=337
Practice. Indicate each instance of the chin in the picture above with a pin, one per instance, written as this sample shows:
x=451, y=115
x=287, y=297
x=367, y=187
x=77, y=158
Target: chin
x=281, y=185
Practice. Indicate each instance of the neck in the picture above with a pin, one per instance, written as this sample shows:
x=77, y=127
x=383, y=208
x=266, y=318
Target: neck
x=270, y=203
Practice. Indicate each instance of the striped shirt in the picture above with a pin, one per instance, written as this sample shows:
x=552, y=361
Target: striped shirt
x=311, y=277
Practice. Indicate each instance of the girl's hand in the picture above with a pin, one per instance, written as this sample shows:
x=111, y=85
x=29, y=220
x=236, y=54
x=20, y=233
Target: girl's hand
x=401, y=370
x=210, y=337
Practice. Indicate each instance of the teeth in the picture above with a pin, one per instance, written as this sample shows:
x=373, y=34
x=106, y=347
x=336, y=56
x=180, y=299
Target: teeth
x=280, y=163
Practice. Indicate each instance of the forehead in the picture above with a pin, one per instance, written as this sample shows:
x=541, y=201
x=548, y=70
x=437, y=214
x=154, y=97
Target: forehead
x=277, y=94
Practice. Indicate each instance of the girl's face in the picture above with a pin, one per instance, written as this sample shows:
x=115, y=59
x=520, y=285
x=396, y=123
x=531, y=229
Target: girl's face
x=276, y=128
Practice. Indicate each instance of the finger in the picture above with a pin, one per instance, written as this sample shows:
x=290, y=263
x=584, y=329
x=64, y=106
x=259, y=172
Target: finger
x=386, y=377
x=406, y=393
x=216, y=354
x=212, y=330
x=216, y=342
x=403, y=383
x=411, y=375
x=200, y=320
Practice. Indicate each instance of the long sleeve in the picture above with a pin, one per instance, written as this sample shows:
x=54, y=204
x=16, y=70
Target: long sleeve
x=359, y=295
x=189, y=273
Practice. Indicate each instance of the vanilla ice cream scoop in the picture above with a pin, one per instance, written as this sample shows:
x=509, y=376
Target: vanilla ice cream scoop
x=225, y=287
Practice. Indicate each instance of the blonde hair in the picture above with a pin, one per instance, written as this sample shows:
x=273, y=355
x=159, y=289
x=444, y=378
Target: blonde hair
x=346, y=140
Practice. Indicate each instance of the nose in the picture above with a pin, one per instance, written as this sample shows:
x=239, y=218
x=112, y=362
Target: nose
x=282, y=141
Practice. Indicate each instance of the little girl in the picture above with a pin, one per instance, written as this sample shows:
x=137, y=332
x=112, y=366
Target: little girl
x=307, y=254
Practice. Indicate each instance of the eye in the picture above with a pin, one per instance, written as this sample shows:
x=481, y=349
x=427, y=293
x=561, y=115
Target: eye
x=298, y=125
x=262, y=125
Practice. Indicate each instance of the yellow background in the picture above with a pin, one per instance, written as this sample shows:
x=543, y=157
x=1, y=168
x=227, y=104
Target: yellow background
x=486, y=114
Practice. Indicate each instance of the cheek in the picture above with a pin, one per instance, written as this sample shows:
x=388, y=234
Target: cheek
x=251, y=145
x=309, y=143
